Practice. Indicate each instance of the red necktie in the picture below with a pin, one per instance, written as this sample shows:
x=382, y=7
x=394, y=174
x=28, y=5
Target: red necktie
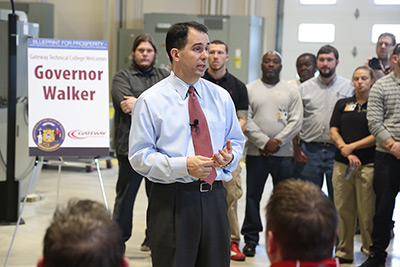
x=200, y=133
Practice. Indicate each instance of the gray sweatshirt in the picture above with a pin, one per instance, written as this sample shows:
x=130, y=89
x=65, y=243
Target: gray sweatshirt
x=275, y=111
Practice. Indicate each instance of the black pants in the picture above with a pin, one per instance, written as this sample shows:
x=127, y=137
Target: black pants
x=258, y=168
x=128, y=184
x=188, y=228
x=386, y=186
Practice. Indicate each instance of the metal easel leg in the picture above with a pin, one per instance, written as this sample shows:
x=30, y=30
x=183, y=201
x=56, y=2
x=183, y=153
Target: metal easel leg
x=22, y=209
x=96, y=160
x=59, y=179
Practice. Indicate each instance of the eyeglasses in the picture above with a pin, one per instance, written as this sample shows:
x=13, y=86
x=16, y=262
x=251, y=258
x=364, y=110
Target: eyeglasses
x=383, y=43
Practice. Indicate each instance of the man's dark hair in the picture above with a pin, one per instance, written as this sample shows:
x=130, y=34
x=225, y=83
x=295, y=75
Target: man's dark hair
x=312, y=56
x=327, y=49
x=303, y=221
x=388, y=34
x=83, y=235
x=219, y=42
x=178, y=33
x=143, y=38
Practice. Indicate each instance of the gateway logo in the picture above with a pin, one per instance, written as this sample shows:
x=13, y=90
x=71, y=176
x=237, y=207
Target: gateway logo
x=79, y=134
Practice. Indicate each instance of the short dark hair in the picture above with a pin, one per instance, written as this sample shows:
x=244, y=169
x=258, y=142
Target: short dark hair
x=143, y=38
x=219, y=42
x=177, y=35
x=312, y=56
x=83, y=235
x=303, y=221
x=388, y=34
x=327, y=49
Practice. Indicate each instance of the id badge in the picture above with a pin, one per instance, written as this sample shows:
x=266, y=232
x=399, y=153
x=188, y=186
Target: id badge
x=350, y=107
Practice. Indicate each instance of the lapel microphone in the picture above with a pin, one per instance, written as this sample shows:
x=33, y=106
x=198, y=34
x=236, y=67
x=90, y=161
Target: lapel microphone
x=195, y=123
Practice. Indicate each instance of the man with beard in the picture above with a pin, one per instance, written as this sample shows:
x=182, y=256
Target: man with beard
x=315, y=151
x=128, y=84
x=275, y=117
x=218, y=74
x=381, y=65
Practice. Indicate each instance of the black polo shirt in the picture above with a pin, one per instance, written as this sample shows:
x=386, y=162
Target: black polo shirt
x=353, y=126
x=234, y=86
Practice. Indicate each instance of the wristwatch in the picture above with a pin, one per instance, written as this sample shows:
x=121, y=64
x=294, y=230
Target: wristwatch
x=229, y=163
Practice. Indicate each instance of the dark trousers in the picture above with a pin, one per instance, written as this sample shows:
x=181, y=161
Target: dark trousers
x=188, y=228
x=319, y=162
x=128, y=184
x=258, y=168
x=386, y=186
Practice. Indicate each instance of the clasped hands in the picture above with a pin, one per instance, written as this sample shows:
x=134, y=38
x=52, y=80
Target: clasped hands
x=347, y=151
x=271, y=147
x=200, y=166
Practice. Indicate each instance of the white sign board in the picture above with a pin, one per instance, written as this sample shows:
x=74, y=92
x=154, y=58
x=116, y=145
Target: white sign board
x=68, y=98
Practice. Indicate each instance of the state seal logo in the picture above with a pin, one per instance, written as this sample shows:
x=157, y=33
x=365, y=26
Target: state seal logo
x=48, y=134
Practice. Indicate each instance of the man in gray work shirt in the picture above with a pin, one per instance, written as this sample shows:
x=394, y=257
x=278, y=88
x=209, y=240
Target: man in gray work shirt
x=315, y=151
x=128, y=85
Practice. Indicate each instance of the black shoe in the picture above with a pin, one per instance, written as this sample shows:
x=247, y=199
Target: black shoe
x=374, y=261
x=344, y=261
x=250, y=249
x=145, y=245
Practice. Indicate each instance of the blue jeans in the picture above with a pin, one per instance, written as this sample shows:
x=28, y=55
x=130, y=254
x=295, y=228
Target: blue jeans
x=386, y=185
x=319, y=162
x=258, y=168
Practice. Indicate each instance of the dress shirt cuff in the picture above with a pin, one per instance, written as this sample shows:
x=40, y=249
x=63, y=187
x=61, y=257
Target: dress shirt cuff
x=229, y=163
x=178, y=166
x=233, y=164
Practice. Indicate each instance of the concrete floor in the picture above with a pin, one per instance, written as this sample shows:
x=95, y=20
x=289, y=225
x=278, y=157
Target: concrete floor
x=75, y=182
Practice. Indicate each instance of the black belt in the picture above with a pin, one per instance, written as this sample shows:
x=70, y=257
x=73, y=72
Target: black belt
x=322, y=143
x=197, y=185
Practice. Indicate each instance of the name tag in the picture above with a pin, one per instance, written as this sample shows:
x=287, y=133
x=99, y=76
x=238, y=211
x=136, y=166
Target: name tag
x=350, y=107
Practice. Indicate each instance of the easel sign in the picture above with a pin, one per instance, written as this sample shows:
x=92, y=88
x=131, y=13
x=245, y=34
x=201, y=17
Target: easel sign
x=68, y=98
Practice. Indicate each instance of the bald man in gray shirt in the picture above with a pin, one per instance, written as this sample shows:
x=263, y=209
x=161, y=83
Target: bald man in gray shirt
x=275, y=116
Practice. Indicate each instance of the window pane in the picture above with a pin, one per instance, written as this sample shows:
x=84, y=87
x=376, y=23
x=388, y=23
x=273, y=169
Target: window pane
x=317, y=2
x=377, y=29
x=316, y=33
x=387, y=2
